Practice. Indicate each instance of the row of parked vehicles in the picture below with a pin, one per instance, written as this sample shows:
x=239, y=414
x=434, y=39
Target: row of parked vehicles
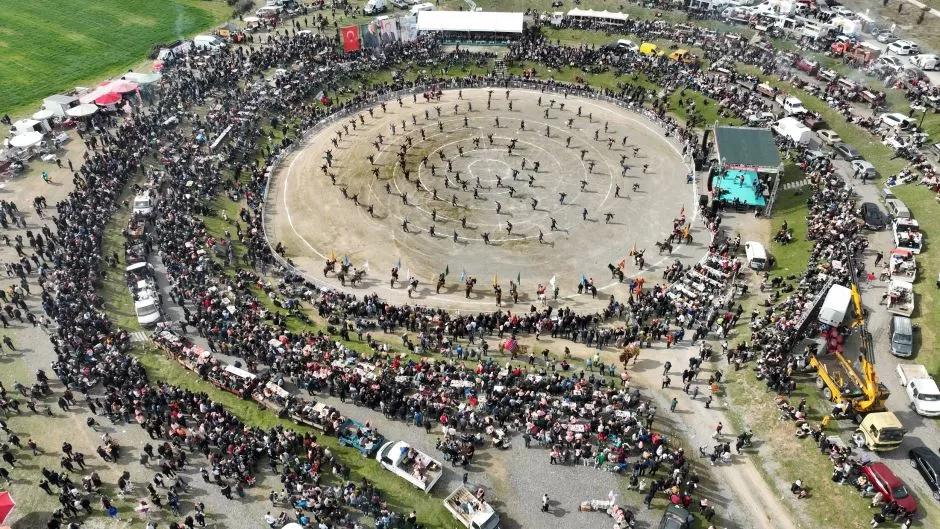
x=139, y=273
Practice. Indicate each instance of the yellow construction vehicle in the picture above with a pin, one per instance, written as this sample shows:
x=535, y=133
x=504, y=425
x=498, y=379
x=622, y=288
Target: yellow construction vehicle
x=839, y=380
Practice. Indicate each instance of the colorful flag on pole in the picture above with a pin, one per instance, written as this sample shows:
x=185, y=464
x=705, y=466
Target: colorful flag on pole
x=682, y=211
x=332, y=255
x=350, y=38
x=685, y=230
x=446, y=270
x=622, y=264
x=346, y=260
x=552, y=281
x=398, y=264
x=495, y=280
x=519, y=278
x=583, y=279
x=633, y=250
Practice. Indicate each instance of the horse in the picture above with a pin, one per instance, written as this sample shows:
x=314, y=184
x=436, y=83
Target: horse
x=357, y=277
x=330, y=266
x=664, y=246
x=630, y=352
x=615, y=271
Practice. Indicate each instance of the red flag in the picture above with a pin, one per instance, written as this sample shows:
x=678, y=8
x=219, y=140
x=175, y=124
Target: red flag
x=622, y=264
x=350, y=38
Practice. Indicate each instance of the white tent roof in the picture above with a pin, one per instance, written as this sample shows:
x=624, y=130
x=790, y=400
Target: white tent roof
x=470, y=21
x=590, y=13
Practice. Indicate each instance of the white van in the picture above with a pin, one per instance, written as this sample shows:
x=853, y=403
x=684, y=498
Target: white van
x=756, y=255
x=208, y=42
x=836, y=306
x=427, y=6
x=792, y=128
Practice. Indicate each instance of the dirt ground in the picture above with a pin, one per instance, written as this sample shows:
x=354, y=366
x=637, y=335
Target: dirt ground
x=311, y=216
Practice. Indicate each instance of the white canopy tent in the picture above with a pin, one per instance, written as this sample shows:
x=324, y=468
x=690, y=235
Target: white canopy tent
x=600, y=16
x=80, y=111
x=142, y=78
x=27, y=140
x=470, y=21
x=42, y=114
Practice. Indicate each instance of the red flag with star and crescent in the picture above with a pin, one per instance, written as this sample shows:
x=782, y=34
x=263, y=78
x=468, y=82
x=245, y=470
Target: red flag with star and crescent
x=350, y=38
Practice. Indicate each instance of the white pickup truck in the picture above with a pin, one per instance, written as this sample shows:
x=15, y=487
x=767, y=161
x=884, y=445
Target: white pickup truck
x=921, y=389
x=471, y=512
x=410, y=464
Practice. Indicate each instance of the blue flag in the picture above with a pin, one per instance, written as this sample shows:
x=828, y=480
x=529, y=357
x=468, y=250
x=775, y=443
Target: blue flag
x=463, y=275
x=398, y=264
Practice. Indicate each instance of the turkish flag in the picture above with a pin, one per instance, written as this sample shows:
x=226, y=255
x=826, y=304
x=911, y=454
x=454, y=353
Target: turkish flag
x=350, y=38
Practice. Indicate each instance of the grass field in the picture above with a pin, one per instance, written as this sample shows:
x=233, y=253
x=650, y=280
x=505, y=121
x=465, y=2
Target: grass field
x=53, y=45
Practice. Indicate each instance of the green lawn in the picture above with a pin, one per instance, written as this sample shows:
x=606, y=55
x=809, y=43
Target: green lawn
x=53, y=45
x=118, y=301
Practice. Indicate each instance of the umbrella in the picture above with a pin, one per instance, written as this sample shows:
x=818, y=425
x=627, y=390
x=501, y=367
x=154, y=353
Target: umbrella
x=122, y=86
x=27, y=140
x=108, y=99
x=142, y=78
x=6, y=505
x=81, y=111
x=43, y=114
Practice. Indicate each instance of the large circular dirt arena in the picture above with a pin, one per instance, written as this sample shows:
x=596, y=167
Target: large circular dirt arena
x=493, y=172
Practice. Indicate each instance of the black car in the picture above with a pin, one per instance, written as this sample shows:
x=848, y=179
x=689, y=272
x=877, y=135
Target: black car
x=847, y=152
x=927, y=462
x=675, y=517
x=873, y=217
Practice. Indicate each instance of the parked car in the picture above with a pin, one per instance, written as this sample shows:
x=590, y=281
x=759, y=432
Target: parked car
x=675, y=517
x=829, y=136
x=912, y=74
x=846, y=151
x=842, y=11
x=807, y=65
x=873, y=217
x=926, y=61
x=927, y=462
x=624, y=45
x=886, y=37
x=903, y=47
x=814, y=121
x=896, y=120
x=890, y=486
x=864, y=169
x=891, y=64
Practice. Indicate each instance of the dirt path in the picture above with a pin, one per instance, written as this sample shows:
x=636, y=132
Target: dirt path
x=311, y=216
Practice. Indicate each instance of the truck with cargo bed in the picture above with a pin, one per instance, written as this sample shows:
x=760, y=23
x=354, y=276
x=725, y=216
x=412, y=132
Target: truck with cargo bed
x=410, y=464
x=470, y=511
x=921, y=389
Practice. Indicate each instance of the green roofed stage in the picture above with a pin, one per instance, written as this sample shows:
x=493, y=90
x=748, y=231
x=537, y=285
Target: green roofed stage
x=748, y=171
x=747, y=147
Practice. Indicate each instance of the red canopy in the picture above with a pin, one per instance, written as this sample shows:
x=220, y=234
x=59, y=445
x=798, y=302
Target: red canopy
x=108, y=99
x=6, y=505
